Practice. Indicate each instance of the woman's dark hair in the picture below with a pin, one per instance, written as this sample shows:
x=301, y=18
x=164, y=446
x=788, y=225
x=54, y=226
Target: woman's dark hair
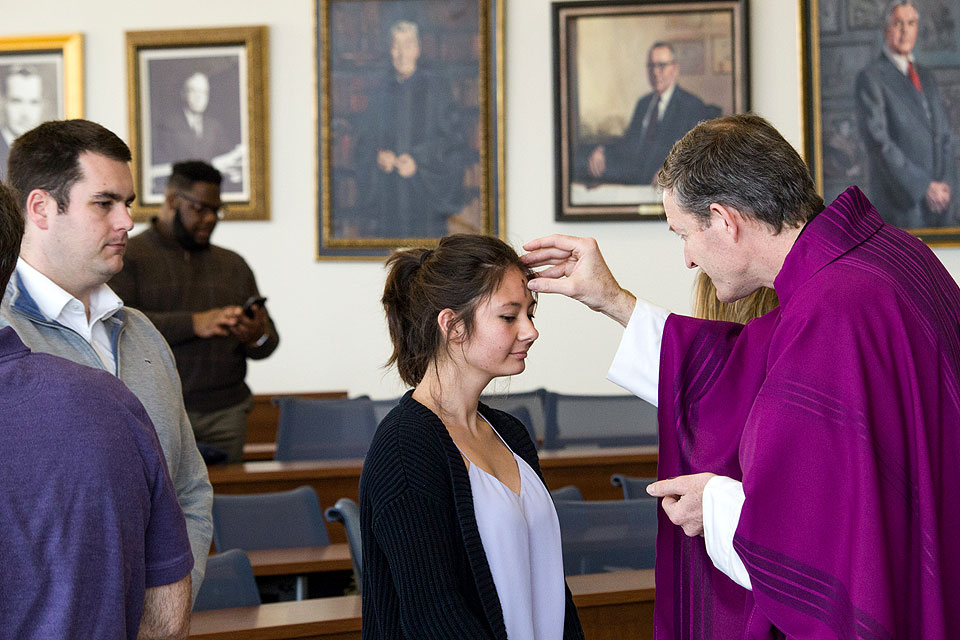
x=459, y=274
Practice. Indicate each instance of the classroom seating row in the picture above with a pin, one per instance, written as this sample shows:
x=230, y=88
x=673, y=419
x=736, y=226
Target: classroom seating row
x=600, y=536
x=589, y=469
x=312, y=428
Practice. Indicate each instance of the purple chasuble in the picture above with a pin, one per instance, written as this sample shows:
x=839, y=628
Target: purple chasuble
x=840, y=412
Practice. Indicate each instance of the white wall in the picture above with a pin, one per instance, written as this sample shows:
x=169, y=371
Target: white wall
x=328, y=313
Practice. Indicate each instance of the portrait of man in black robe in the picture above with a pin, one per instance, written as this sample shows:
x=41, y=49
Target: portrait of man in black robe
x=409, y=153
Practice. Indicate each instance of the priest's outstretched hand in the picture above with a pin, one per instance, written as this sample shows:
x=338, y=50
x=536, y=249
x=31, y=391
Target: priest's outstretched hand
x=576, y=269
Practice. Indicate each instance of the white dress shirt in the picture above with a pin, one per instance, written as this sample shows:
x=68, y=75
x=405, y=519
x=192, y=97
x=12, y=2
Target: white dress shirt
x=58, y=305
x=636, y=368
x=899, y=61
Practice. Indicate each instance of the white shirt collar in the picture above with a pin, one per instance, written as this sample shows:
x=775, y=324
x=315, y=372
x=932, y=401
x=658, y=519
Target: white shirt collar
x=899, y=61
x=52, y=299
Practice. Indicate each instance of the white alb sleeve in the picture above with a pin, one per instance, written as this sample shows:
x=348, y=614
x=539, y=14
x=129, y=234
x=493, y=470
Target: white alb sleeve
x=722, y=502
x=636, y=366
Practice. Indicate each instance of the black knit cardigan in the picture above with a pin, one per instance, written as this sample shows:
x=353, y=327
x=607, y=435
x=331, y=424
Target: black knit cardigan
x=425, y=574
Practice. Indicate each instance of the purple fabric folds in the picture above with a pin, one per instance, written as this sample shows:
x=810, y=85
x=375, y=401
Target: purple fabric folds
x=840, y=412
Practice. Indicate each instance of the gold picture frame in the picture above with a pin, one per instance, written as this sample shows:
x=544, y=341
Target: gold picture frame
x=200, y=94
x=457, y=79
x=42, y=61
x=851, y=140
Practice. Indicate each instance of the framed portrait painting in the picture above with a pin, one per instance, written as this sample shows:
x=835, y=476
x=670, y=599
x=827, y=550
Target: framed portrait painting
x=630, y=79
x=410, y=115
x=41, y=78
x=200, y=94
x=882, y=108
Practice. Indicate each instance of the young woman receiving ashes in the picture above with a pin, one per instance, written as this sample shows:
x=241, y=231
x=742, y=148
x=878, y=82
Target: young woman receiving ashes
x=460, y=536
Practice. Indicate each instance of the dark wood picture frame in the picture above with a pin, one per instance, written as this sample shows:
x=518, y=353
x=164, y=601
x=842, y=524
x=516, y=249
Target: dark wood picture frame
x=702, y=43
x=852, y=137
x=450, y=101
x=228, y=68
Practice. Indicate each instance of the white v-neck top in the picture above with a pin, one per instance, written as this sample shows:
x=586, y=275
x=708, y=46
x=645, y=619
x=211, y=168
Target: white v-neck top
x=521, y=539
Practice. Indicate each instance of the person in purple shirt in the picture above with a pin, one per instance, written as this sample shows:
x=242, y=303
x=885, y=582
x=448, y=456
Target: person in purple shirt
x=94, y=541
x=822, y=437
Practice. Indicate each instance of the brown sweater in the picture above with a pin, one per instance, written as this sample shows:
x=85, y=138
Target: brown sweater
x=169, y=285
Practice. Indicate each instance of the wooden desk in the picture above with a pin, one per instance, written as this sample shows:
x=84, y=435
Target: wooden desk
x=588, y=469
x=262, y=419
x=326, y=618
x=254, y=451
x=300, y=560
x=612, y=606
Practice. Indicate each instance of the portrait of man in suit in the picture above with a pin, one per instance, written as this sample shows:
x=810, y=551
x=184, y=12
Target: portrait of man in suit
x=912, y=175
x=627, y=85
x=191, y=131
x=660, y=118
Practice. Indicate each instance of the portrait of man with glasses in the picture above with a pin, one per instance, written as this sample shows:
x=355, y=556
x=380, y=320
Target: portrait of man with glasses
x=195, y=294
x=659, y=119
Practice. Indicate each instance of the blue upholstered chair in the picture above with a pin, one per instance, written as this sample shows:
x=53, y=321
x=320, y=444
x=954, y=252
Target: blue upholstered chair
x=607, y=535
x=633, y=488
x=277, y=520
x=347, y=512
x=527, y=406
x=228, y=583
x=317, y=429
x=382, y=407
x=604, y=421
x=568, y=492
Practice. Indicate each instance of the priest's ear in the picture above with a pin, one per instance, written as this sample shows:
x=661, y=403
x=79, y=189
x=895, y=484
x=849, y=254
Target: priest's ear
x=732, y=219
x=451, y=326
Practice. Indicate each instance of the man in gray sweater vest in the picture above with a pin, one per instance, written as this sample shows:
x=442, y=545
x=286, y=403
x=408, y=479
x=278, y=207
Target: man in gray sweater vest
x=75, y=188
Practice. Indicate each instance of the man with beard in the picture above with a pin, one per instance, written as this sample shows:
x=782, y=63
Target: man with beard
x=193, y=292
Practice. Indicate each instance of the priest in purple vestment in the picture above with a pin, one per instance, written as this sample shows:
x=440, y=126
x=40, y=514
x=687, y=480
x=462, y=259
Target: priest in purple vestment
x=810, y=459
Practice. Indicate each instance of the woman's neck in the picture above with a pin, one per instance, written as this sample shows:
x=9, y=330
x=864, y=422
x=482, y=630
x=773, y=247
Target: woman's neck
x=450, y=395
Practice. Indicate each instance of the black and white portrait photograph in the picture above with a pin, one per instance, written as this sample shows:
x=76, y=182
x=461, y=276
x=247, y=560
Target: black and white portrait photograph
x=197, y=102
x=884, y=109
x=196, y=111
x=630, y=79
x=408, y=144
x=39, y=81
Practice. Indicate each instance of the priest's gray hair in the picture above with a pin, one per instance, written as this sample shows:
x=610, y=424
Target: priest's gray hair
x=740, y=161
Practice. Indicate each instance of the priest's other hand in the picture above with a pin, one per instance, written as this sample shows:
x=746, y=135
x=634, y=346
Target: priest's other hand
x=576, y=269
x=683, y=500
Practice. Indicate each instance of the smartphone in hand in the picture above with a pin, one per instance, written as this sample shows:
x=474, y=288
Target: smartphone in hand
x=252, y=301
